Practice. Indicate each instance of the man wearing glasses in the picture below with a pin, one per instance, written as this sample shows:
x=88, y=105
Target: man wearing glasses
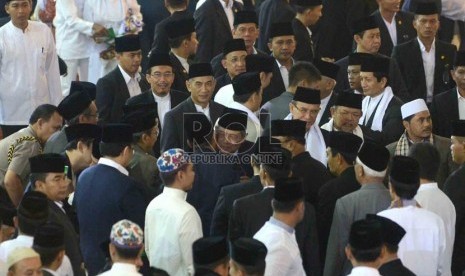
x=160, y=76
x=305, y=107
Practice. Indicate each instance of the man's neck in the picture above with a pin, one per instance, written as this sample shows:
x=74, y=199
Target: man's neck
x=387, y=15
x=144, y=147
x=285, y=218
x=297, y=151
x=426, y=181
x=173, y=10
x=34, y=128
x=415, y=139
x=203, y=105
x=461, y=91
x=20, y=25
x=180, y=53
x=359, y=49
x=292, y=89
x=74, y=160
x=370, y=264
x=249, y=106
x=325, y=93
x=389, y=257
x=250, y=50
x=286, y=63
x=427, y=42
x=342, y=168
x=132, y=75
x=301, y=18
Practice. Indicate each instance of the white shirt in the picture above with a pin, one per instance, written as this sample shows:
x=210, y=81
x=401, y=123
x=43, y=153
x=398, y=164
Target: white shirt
x=229, y=12
x=364, y=271
x=111, y=163
x=429, y=62
x=430, y=197
x=205, y=111
x=54, y=273
x=461, y=102
x=392, y=29
x=6, y=247
x=29, y=74
x=183, y=62
x=225, y=95
x=372, y=104
x=122, y=269
x=284, y=74
x=254, y=128
x=423, y=248
x=132, y=83
x=283, y=257
x=72, y=33
x=171, y=227
x=323, y=104
x=163, y=106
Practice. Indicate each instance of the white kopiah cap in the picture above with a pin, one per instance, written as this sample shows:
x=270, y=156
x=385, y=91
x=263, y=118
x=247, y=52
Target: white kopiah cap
x=413, y=107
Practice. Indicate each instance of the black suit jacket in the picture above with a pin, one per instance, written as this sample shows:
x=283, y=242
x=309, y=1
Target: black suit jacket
x=221, y=81
x=410, y=61
x=218, y=68
x=338, y=17
x=228, y=195
x=328, y=194
x=153, y=12
x=395, y=268
x=180, y=74
x=312, y=173
x=272, y=11
x=276, y=86
x=444, y=111
x=160, y=38
x=112, y=93
x=404, y=28
x=304, y=44
x=173, y=132
x=213, y=29
x=250, y=213
x=327, y=112
x=71, y=238
x=147, y=97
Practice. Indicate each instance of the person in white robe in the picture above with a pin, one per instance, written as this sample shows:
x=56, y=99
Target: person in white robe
x=429, y=196
x=73, y=37
x=305, y=107
x=114, y=16
x=29, y=73
x=171, y=224
x=423, y=248
x=278, y=233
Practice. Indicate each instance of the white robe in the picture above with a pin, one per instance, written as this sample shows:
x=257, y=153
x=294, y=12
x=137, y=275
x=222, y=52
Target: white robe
x=171, y=227
x=29, y=74
x=283, y=257
x=254, y=129
x=423, y=248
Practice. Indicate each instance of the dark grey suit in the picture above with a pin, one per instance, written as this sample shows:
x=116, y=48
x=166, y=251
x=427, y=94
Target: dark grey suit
x=57, y=142
x=370, y=199
x=173, y=132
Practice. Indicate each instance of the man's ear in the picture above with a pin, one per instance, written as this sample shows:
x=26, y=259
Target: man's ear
x=332, y=109
x=223, y=63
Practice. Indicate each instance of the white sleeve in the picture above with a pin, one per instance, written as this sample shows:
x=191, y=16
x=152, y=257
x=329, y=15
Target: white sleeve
x=445, y=259
x=52, y=71
x=69, y=13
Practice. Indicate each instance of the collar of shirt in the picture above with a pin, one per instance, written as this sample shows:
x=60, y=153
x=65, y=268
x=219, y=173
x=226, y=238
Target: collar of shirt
x=122, y=268
x=228, y=6
x=459, y=97
x=60, y=204
x=183, y=61
x=428, y=186
x=364, y=270
x=52, y=272
x=279, y=64
x=159, y=99
x=423, y=48
x=255, y=51
x=282, y=225
x=201, y=109
x=175, y=192
x=113, y=164
x=128, y=78
x=23, y=239
x=27, y=29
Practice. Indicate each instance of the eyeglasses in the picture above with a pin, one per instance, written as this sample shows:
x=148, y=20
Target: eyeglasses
x=158, y=75
x=302, y=110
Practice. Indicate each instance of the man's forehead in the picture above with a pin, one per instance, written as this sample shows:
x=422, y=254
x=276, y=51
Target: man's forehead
x=349, y=109
x=162, y=68
x=421, y=114
x=202, y=79
x=236, y=54
x=283, y=37
x=17, y=2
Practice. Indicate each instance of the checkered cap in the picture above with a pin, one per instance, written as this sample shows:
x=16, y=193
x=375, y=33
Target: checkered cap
x=171, y=160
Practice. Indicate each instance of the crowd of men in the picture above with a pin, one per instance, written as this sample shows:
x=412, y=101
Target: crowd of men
x=274, y=137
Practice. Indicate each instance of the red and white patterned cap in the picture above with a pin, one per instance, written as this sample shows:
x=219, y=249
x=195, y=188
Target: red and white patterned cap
x=127, y=234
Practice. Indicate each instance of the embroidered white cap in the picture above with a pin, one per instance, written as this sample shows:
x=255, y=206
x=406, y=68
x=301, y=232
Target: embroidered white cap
x=413, y=107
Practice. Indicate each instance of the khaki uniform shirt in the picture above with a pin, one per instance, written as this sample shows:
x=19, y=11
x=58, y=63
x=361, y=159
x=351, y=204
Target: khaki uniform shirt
x=15, y=151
